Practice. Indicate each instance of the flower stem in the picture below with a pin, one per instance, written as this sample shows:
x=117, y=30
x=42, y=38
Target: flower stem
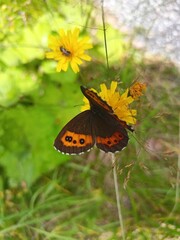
x=104, y=30
x=177, y=195
x=117, y=196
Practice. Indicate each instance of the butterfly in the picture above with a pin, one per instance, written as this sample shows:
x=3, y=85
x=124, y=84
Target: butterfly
x=97, y=126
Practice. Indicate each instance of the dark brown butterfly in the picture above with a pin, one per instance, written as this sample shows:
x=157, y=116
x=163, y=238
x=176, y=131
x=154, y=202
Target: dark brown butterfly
x=98, y=125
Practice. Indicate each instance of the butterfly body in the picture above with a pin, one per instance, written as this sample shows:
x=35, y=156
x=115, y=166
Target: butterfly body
x=98, y=125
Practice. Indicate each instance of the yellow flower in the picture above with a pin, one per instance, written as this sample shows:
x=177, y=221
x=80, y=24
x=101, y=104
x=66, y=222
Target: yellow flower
x=67, y=49
x=136, y=90
x=119, y=103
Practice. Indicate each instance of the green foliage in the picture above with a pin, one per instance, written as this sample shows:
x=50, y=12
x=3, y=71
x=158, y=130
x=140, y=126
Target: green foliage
x=32, y=97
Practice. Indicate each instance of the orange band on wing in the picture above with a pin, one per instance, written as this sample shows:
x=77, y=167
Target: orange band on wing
x=110, y=141
x=72, y=139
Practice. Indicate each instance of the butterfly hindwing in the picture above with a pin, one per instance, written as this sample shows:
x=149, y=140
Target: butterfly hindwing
x=76, y=137
x=111, y=136
x=112, y=143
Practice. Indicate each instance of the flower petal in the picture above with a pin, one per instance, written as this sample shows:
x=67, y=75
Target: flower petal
x=74, y=67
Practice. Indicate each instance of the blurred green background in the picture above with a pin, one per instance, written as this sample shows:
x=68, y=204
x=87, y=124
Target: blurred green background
x=47, y=195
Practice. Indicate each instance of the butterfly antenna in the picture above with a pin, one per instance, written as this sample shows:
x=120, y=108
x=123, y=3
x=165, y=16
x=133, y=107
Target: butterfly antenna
x=104, y=31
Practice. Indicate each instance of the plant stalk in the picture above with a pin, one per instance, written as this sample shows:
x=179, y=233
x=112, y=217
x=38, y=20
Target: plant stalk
x=117, y=196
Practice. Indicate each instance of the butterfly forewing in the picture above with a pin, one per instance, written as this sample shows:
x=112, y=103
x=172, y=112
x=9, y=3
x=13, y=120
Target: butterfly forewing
x=95, y=100
x=76, y=137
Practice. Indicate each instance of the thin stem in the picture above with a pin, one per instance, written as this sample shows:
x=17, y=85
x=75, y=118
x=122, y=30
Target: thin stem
x=177, y=196
x=104, y=31
x=117, y=196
